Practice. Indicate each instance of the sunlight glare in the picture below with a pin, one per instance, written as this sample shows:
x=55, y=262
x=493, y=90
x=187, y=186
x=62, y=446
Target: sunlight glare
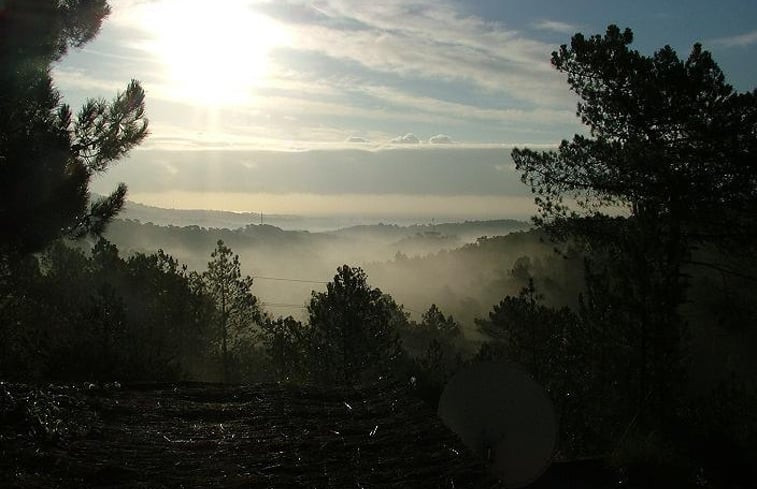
x=214, y=53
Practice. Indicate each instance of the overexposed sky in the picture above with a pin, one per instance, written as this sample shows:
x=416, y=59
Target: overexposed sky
x=334, y=105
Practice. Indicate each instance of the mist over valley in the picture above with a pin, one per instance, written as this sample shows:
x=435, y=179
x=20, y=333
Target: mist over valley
x=437, y=243
x=463, y=267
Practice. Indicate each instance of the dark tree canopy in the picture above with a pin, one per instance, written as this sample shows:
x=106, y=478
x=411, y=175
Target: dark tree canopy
x=352, y=329
x=97, y=316
x=237, y=308
x=671, y=147
x=285, y=342
x=435, y=321
x=526, y=331
x=47, y=155
x=668, y=138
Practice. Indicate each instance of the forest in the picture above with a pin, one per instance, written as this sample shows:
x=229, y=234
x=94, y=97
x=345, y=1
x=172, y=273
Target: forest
x=631, y=299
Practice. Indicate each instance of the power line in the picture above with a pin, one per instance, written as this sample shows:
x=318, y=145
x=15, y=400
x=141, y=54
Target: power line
x=300, y=306
x=299, y=280
x=282, y=279
x=281, y=304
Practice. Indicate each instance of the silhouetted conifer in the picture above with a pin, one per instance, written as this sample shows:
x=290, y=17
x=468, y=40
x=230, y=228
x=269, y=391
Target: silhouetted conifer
x=47, y=155
x=351, y=329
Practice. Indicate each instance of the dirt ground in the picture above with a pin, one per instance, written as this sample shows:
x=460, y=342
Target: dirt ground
x=221, y=436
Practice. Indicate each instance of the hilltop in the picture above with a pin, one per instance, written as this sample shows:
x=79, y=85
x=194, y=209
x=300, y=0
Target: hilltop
x=353, y=224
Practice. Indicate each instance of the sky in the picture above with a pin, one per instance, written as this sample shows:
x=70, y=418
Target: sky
x=384, y=107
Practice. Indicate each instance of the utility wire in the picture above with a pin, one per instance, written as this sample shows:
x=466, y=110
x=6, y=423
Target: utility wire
x=300, y=306
x=280, y=304
x=281, y=279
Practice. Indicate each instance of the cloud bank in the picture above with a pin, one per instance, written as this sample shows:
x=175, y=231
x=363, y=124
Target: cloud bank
x=415, y=169
x=408, y=138
x=440, y=139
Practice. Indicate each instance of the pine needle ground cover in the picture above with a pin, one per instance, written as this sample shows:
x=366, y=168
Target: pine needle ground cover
x=212, y=435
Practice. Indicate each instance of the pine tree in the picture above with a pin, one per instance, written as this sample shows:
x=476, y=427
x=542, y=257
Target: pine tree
x=671, y=147
x=237, y=308
x=434, y=321
x=48, y=156
x=351, y=329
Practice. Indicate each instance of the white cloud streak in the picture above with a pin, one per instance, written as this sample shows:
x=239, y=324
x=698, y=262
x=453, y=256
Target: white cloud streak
x=556, y=26
x=356, y=139
x=431, y=40
x=740, y=41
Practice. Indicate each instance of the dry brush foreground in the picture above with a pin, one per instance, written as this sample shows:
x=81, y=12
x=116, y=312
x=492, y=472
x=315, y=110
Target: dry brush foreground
x=212, y=435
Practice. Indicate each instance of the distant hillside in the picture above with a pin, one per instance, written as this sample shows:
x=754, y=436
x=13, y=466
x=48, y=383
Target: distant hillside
x=453, y=265
x=466, y=231
x=274, y=245
x=355, y=224
x=184, y=217
x=467, y=281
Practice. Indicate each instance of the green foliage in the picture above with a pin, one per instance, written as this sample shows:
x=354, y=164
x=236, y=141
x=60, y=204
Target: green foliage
x=169, y=317
x=433, y=352
x=37, y=32
x=49, y=156
x=667, y=168
x=434, y=320
x=434, y=347
x=351, y=335
x=285, y=341
x=100, y=317
x=553, y=345
x=670, y=143
x=669, y=138
x=237, y=309
x=530, y=333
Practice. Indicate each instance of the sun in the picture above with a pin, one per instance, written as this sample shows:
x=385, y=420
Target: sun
x=213, y=53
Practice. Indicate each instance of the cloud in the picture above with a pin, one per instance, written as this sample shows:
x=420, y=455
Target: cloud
x=345, y=71
x=356, y=139
x=408, y=138
x=556, y=26
x=440, y=139
x=445, y=44
x=741, y=40
x=78, y=79
x=400, y=169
